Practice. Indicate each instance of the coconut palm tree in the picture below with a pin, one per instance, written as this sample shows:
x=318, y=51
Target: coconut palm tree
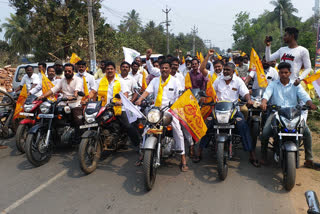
x=287, y=9
x=131, y=22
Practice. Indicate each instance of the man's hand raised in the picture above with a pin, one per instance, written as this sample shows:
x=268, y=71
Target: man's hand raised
x=148, y=54
x=266, y=41
x=210, y=52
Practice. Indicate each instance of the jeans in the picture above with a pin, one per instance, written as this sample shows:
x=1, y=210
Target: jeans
x=267, y=132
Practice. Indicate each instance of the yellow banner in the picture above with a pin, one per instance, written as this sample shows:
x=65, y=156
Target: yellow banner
x=201, y=57
x=85, y=88
x=187, y=110
x=74, y=58
x=219, y=57
x=144, y=81
x=183, y=60
x=256, y=65
x=20, y=102
x=312, y=78
x=46, y=86
x=212, y=96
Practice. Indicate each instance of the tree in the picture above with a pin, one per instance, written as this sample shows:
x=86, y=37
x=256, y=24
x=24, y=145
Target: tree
x=288, y=10
x=132, y=23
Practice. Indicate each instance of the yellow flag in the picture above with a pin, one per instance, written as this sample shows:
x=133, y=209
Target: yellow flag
x=85, y=88
x=183, y=60
x=187, y=111
x=74, y=58
x=219, y=57
x=46, y=86
x=243, y=54
x=144, y=81
x=187, y=81
x=19, y=104
x=312, y=78
x=212, y=96
x=256, y=65
x=198, y=56
x=201, y=57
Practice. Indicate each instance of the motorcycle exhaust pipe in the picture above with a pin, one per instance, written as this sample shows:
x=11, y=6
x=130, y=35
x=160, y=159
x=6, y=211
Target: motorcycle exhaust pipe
x=313, y=202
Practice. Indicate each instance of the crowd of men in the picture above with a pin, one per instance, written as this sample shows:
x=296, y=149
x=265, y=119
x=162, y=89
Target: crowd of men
x=166, y=77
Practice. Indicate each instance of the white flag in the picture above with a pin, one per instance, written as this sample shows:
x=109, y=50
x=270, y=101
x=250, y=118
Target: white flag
x=133, y=113
x=130, y=54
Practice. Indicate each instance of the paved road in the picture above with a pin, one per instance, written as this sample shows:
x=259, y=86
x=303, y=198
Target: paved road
x=117, y=187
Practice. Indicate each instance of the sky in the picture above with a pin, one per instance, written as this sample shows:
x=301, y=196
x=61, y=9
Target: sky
x=213, y=18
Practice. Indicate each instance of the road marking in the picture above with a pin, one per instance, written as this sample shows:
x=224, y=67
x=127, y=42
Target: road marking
x=33, y=192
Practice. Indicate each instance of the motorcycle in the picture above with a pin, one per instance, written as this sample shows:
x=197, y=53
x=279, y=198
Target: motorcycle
x=31, y=109
x=255, y=116
x=313, y=203
x=8, y=126
x=104, y=133
x=53, y=129
x=287, y=126
x=223, y=136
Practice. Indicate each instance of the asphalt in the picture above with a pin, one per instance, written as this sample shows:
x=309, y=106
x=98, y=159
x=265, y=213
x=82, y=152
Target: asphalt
x=117, y=186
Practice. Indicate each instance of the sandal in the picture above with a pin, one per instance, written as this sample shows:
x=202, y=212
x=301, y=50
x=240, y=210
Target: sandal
x=311, y=165
x=197, y=159
x=254, y=162
x=184, y=168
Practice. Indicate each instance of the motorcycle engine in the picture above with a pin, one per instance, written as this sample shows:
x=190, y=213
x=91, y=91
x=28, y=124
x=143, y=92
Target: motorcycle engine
x=167, y=146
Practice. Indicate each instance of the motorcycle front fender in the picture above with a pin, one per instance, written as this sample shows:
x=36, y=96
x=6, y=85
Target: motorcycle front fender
x=222, y=138
x=150, y=143
x=89, y=134
x=256, y=119
x=34, y=129
x=289, y=146
x=27, y=121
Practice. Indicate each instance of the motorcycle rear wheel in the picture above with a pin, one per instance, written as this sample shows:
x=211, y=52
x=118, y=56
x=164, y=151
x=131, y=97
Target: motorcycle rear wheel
x=222, y=162
x=89, y=154
x=21, y=136
x=149, y=171
x=32, y=148
x=289, y=170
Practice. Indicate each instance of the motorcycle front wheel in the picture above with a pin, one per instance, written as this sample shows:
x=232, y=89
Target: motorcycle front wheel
x=289, y=170
x=37, y=153
x=89, y=154
x=222, y=162
x=21, y=136
x=149, y=170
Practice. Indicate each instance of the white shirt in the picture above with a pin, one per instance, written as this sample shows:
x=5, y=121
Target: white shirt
x=91, y=82
x=38, y=88
x=232, y=91
x=130, y=83
x=137, y=77
x=271, y=74
x=152, y=70
x=170, y=91
x=29, y=81
x=123, y=86
x=296, y=57
x=67, y=90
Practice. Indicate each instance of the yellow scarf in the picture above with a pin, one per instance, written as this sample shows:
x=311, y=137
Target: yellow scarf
x=160, y=91
x=103, y=92
x=187, y=81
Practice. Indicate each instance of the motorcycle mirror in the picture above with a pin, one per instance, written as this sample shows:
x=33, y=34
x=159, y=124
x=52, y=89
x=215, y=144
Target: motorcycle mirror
x=81, y=94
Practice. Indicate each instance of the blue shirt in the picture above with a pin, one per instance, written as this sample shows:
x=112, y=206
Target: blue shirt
x=285, y=95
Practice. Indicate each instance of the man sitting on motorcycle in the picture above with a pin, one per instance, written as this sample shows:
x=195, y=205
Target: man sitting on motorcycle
x=108, y=87
x=284, y=93
x=69, y=86
x=228, y=87
x=166, y=91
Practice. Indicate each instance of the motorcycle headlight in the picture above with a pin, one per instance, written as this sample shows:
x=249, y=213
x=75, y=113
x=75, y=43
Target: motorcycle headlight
x=45, y=107
x=223, y=116
x=90, y=118
x=290, y=124
x=153, y=116
x=28, y=107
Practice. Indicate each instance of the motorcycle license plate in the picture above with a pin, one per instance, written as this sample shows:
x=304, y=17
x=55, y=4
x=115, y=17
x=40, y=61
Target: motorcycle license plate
x=48, y=116
x=27, y=114
x=223, y=127
x=89, y=126
x=91, y=105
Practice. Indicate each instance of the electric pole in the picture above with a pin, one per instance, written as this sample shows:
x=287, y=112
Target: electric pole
x=167, y=25
x=281, y=12
x=194, y=31
x=208, y=43
x=92, y=48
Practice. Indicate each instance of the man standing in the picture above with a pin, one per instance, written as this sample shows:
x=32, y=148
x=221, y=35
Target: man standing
x=283, y=93
x=128, y=80
x=293, y=54
x=170, y=93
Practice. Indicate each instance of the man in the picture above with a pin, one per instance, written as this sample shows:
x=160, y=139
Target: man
x=228, y=87
x=242, y=68
x=58, y=67
x=42, y=66
x=170, y=93
x=51, y=76
x=107, y=88
x=196, y=79
x=129, y=81
x=217, y=66
x=141, y=68
x=135, y=73
x=69, y=87
x=150, y=76
x=30, y=79
x=100, y=73
x=82, y=65
x=284, y=93
x=293, y=54
x=188, y=66
x=270, y=72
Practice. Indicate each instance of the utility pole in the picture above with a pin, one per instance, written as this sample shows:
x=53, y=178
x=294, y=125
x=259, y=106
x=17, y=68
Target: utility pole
x=208, y=43
x=167, y=25
x=194, y=31
x=281, y=30
x=92, y=48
